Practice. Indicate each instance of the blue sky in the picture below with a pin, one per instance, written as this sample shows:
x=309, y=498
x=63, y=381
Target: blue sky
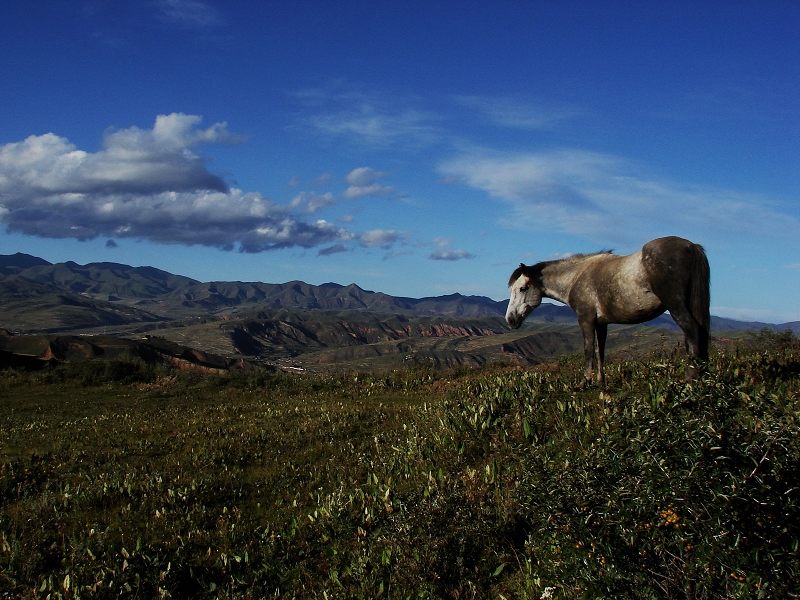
x=414, y=148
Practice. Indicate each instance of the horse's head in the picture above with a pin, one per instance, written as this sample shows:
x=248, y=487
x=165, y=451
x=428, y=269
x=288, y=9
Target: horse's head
x=526, y=294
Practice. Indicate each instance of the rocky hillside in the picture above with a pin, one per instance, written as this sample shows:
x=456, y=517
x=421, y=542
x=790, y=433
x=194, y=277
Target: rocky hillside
x=293, y=323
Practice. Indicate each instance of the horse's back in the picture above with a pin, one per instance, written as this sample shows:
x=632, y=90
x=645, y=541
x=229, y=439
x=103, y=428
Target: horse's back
x=669, y=249
x=670, y=258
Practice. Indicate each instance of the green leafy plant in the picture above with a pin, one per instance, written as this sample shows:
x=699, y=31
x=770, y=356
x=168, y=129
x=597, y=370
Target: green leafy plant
x=499, y=482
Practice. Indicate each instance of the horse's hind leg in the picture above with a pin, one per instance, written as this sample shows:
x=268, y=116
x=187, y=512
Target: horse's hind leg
x=694, y=336
x=602, y=332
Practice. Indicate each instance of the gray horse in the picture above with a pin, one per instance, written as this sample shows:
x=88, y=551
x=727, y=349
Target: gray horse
x=669, y=273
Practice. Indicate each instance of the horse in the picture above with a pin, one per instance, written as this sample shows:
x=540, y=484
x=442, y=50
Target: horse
x=668, y=273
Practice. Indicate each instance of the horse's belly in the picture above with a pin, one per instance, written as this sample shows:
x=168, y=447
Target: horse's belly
x=636, y=309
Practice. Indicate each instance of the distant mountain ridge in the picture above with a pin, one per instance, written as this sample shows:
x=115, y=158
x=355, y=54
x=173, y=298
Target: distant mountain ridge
x=95, y=279
x=167, y=296
x=38, y=295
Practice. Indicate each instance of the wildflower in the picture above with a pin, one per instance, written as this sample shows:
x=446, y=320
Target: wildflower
x=669, y=516
x=548, y=593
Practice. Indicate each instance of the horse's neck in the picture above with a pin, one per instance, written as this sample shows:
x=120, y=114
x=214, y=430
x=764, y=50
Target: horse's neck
x=558, y=277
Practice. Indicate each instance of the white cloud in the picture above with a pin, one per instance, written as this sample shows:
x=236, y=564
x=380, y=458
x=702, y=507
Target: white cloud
x=343, y=111
x=373, y=119
x=362, y=191
x=146, y=184
x=132, y=160
x=364, y=182
x=517, y=112
x=362, y=176
x=311, y=202
x=445, y=253
x=188, y=14
x=380, y=238
x=450, y=255
x=369, y=125
x=605, y=197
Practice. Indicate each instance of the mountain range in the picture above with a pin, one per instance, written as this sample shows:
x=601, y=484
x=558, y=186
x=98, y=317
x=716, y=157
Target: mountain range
x=276, y=321
x=40, y=296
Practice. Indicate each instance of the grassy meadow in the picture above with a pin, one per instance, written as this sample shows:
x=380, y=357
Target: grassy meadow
x=117, y=480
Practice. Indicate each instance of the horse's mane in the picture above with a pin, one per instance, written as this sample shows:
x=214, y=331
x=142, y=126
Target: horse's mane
x=533, y=271
x=587, y=255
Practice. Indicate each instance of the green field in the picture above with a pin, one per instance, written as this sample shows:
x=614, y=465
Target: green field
x=117, y=480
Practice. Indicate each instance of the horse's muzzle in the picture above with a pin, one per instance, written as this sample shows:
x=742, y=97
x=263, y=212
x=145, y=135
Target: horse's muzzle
x=515, y=320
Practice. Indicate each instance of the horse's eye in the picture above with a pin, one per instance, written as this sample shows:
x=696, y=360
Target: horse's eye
x=524, y=289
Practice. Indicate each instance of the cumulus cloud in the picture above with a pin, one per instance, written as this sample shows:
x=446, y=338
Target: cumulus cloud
x=363, y=181
x=608, y=198
x=311, y=202
x=132, y=160
x=380, y=238
x=444, y=252
x=146, y=184
x=450, y=255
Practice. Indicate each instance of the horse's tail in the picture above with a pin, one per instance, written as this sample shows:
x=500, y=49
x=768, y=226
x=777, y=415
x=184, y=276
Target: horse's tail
x=700, y=297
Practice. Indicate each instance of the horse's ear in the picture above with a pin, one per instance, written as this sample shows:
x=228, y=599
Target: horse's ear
x=521, y=265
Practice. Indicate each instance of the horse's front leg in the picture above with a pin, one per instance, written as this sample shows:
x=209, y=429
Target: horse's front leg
x=588, y=330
